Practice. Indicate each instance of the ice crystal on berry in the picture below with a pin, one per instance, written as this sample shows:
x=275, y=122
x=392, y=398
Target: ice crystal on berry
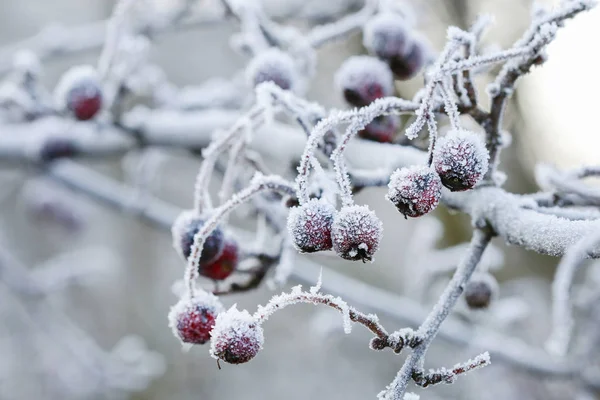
x=461, y=159
x=415, y=190
x=356, y=233
x=237, y=337
x=363, y=79
x=310, y=226
x=193, y=318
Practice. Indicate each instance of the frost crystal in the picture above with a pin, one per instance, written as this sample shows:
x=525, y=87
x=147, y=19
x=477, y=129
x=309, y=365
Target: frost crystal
x=363, y=79
x=236, y=337
x=193, y=318
x=461, y=159
x=356, y=233
x=415, y=191
x=310, y=226
x=273, y=65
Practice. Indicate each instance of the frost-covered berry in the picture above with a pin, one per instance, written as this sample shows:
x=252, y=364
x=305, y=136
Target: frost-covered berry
x=415, y=190
x=382, y=129
x=273, y=65
x=224, y=265
x=185, y=228
x=310, y=225
x=461, y=160
x=356, y=233
x=387, y=37
x=481, y=290
x=193, y=318
x=363, y=79
x=237, y=337
x=79, y=91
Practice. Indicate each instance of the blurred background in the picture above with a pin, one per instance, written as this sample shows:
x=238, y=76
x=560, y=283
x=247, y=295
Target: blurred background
x=106, y=336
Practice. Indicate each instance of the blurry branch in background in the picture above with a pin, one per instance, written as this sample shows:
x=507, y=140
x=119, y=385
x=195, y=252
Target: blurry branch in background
x=331, y=168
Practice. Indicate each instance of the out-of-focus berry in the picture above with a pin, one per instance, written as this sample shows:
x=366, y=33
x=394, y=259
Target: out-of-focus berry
x=185, y=228
x=382, y=129
x=79, y=91
x=363, y=79
x=224, y=265
x=481, y=290
x=273, y=65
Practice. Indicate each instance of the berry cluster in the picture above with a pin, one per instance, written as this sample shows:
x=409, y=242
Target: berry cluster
x=219, y=257
x=460, y=160
x=387, y=36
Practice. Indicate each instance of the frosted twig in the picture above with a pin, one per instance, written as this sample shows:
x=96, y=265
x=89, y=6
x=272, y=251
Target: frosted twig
x=562, y=321
x=232, y=169
x=258, y=184
x=449, y=376
x=450, y=104
x=566, y=183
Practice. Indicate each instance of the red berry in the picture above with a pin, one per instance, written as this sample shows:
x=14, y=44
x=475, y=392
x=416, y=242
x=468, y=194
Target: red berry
x=382, y=129
x=461, y=160
x=185, y=228
x=223, y=266
x=409, y=64
x=356, y=233
x=275, y=66
x=363, y=79
x=415, y=191
x=481, y=290
x=79, y=91
x=193, y=318
x=310, y=225
x=237, y=337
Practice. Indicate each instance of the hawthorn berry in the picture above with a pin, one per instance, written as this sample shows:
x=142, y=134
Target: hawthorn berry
x=224, y=265
x=79, y=91
x=415, y=190
x=193, y=318
x=310, y=225
x=387, y=36
x=236, y=337
x=185, y=228
x=356, y=233
x=461, y=159
x=275, y=66
x=363, y=79
x=481, y=290
x=382, y=129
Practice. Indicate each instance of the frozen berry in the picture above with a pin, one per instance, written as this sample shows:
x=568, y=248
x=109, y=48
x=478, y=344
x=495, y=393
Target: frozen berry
x=382, y=129
x=236, y=337
x=461, y=160
x=224, y=265
x=310, y=225
x=275, y=66
x=185, y=228
x=415, y=191
x=363, y=79
x=356, y=233
x=53, y=148
x=387, y=37
x=481, y=290
x=193, y=318
x=79, y=91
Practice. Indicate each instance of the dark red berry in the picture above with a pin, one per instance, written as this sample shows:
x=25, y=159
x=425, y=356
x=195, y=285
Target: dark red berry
x=363, y=79
x=185, y=228
x=356, y=233
x=224, y=265
x=57, y=147
x=481, y=290
x=407, y=65
x=273, y=65
x=461, y=159
x=382, y=129
x=310, y=226
x=415, y=191
x=237, y=337
x=193, y=318
x=79, y=91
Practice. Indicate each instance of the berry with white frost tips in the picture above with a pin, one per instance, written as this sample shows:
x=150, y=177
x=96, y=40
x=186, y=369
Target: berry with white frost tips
x=224, y=265
x=481, y=290
x=185, y=228
x=363, y=79
x=310, y=225
x=79, y=91
x=237, y=337
x=356, y=233
x=382, y=129
x=193, y=318
x=273, y=65
x=415, y=191
x=461, y=160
